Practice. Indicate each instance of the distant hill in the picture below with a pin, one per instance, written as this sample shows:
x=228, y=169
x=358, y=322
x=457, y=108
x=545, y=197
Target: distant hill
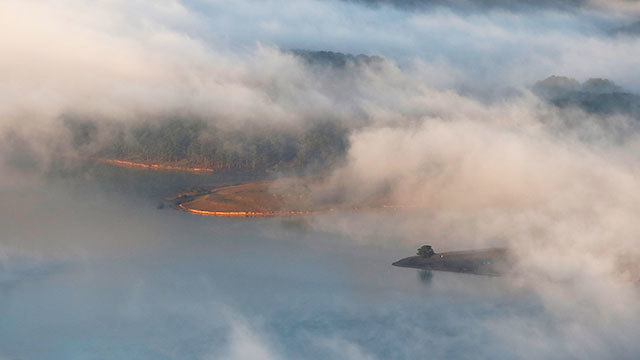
x=334, y=59
x=630, y=29
x=596, y=96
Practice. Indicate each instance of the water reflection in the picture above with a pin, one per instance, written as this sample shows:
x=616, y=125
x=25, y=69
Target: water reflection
x=425, y=276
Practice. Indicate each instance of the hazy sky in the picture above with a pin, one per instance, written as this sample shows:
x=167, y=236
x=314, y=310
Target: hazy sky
x=124, y=59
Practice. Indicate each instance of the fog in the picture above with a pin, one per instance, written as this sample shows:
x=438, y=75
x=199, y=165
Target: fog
x=444, y=121
x=103, y=273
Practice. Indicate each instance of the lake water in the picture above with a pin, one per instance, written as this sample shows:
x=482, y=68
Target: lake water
x=90, y=269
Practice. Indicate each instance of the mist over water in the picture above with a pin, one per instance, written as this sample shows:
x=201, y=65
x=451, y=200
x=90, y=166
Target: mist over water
x=446, y=107
x=91, y=272
x=111, y=276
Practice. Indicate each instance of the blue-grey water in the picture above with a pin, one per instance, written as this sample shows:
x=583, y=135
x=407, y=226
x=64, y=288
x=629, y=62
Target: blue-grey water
x=91, y=269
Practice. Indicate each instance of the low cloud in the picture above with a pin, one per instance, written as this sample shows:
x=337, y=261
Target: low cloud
x=443, y=121
x=245, y=344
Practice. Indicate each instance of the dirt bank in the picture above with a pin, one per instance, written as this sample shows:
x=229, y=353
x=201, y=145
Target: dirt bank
x=151, y=166
x=274, y=198
x=255, y=199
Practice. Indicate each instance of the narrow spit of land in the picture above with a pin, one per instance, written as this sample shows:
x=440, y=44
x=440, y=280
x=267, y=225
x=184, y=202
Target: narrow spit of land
x=283, y=197
x=254, y=199
x=272, y=198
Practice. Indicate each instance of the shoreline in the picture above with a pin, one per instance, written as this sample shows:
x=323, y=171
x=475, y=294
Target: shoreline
x=246, y=213
x=141, y=165
x=254, y=199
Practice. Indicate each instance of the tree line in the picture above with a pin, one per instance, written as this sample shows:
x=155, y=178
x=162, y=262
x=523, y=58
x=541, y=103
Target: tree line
x=200, y=144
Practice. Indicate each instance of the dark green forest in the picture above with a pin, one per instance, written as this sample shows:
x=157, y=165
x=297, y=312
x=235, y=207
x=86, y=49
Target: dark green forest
x=200, y=144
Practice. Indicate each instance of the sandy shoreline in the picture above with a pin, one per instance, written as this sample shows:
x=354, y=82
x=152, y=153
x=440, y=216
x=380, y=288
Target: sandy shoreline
x=244, y=213
x=133, y=164
x=252, y=199
x=270, y=199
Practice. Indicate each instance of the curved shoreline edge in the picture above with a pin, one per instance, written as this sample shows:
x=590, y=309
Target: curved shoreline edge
x=133, y=164
x=256, y=214
x=246, y=213
x=258, y=199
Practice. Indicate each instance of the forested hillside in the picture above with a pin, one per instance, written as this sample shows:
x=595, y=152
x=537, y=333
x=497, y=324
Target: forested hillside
x=200, y=144
x=308, y=145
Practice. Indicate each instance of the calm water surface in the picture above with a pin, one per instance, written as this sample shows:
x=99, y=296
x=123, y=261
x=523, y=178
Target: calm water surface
x=90, y=269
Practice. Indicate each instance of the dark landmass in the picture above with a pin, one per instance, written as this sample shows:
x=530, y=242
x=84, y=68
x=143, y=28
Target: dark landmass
x=335, y=59
x=594, y=96
x=190, y=143
x=632, y=29
x=184, y=143
x=496, y=262
x=243, y=200
x=492, y=262
x=283, y=197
